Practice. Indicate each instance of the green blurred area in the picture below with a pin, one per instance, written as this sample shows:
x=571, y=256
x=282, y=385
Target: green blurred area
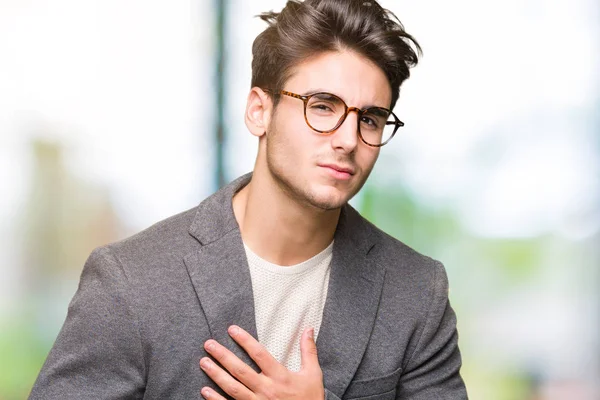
x=62, y=220
x=484, y=273
x=22, y=352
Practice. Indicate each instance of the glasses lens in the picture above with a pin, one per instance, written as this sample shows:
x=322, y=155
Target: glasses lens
x=324, y=110
x=377, y=125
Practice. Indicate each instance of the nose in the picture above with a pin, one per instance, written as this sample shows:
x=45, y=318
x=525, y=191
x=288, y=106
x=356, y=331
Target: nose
x=345, y=137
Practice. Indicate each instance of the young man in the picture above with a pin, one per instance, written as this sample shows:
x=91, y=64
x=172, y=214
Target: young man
x=227, y=299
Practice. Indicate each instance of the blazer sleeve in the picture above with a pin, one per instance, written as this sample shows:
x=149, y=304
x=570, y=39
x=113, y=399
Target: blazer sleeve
x=98, y=353
x=433, y=370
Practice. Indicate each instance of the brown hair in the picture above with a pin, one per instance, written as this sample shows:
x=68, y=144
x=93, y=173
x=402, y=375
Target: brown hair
x=304, y=29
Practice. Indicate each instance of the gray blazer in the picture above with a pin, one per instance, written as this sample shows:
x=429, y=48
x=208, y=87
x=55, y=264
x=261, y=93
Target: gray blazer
x=145, y=305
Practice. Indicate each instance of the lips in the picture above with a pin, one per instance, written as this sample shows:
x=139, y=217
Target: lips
x=339, y=168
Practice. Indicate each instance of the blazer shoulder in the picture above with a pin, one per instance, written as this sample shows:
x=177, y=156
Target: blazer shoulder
x=165, y=238
x=397, y=257
x=384, y=241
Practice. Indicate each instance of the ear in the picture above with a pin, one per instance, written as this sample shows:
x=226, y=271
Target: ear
x=258, y=111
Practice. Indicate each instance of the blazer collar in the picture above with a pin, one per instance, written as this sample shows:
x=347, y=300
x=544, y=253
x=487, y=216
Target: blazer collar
x=215, y=218
x=221, y=278
x=355, y=287
x=219, y=271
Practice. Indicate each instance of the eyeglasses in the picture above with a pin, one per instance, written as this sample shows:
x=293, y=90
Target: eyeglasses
x=326, y=112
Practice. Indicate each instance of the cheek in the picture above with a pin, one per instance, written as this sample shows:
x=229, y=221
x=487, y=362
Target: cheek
x=292, y=142
x=367, y=158
x=298, y=138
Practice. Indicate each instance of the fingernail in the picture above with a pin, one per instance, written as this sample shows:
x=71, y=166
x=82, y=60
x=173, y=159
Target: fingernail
x=205, y=363
x=311, y=333
x=234, y=330
x=206, y=393
x=210, y=346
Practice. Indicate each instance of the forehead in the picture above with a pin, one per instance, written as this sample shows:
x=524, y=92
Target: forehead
x=353, y=77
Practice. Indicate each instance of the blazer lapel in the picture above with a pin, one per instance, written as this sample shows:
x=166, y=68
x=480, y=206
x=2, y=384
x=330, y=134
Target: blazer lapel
x=219, y=271
x=353, y=296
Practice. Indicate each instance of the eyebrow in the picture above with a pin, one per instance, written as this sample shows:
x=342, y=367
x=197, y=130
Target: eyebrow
x=313, y=91
x=327, y=96
x=320, y=90
x=378, y=112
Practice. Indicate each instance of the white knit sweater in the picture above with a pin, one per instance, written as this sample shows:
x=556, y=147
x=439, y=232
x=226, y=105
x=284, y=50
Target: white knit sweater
x=288, y=300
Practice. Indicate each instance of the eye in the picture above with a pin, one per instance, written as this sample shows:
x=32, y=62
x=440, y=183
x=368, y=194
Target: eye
x=321, y=107
x=370, y=122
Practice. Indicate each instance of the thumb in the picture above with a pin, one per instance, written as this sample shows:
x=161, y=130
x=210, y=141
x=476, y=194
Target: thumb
x=308, y=351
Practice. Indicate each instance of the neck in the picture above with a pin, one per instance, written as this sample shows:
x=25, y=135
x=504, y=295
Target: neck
x=278, y=228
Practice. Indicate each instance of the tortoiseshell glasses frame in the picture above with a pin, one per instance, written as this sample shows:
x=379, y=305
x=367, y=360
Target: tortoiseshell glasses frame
x=347, y=110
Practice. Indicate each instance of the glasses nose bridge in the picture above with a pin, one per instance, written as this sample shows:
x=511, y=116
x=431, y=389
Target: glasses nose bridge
x=348, y=111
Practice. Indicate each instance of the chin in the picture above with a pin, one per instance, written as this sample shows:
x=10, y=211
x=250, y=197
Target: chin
x=328, y=198
x=314, y=192
x=327, y=205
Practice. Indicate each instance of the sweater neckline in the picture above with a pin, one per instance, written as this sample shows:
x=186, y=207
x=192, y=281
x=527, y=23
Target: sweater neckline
x=304, y=266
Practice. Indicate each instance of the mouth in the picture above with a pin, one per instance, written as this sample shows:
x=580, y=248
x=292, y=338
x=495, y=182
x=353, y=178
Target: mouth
x=339, y=171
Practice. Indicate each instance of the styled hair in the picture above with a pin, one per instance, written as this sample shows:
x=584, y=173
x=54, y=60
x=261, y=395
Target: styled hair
x=305, y=29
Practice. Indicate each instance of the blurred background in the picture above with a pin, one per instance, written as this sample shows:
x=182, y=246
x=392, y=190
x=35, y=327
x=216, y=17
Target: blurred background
x=117, y=114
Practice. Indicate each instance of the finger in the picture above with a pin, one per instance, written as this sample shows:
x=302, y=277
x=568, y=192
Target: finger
x=309, y=361
x=265, y=361
x=236, y=367
x=209, y=393
x=225, y=381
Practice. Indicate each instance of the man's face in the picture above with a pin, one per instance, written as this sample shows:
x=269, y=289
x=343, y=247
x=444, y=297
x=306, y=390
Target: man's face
x=325, y=170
